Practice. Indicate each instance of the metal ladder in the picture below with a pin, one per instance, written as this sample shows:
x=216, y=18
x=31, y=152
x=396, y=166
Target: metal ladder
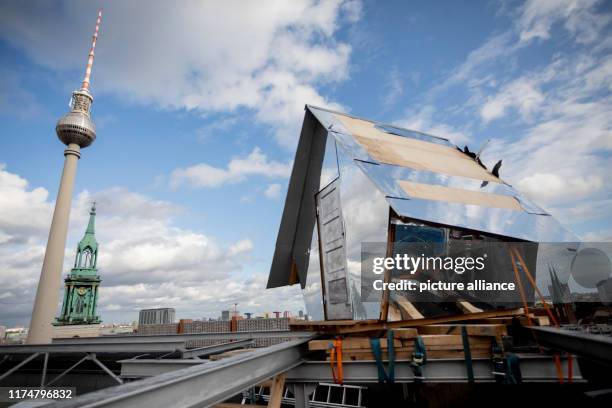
x=323, y=396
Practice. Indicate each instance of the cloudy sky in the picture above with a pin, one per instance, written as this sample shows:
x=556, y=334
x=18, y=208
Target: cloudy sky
x=198, y=106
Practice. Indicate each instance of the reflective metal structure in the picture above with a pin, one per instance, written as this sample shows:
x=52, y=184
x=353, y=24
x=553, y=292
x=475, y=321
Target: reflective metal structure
x=349, y=180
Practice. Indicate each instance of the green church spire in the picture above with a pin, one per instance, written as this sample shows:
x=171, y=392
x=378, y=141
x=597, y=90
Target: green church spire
x=81, y=285
x=91, y=227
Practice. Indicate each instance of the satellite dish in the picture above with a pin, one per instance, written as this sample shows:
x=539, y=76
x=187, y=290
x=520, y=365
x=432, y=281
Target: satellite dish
x=591, y=266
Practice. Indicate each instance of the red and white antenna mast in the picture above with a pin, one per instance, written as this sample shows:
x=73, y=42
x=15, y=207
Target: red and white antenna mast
x=85, y=84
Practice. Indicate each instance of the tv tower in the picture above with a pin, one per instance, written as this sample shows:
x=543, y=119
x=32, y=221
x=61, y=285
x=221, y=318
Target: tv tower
x=76, y=130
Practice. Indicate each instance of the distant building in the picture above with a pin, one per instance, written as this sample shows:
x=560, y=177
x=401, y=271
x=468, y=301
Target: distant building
x=16, y=335
x=301, y=313
x=225, y=315
x=164, y=315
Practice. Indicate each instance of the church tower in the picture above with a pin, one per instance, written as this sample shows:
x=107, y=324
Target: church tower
x=81, y=285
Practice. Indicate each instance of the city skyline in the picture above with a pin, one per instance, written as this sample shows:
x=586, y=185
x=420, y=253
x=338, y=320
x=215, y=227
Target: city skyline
x=197, y=125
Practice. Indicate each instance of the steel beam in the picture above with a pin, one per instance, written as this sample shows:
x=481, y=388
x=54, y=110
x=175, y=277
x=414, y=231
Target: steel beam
x=216, y=349
x=141, y=368
x=68, y=370
x=18, y=366
x=186, y=337
x=200, y=386
x=592, y=346
x=96, y=347
x=105, y=368
x=533, y=368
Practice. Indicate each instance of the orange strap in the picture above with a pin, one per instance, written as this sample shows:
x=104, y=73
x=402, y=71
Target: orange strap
x=557, y=357
x=519, y=282
x=570, y=368
x=559, y=368
x=533, y=283
x=336, y=357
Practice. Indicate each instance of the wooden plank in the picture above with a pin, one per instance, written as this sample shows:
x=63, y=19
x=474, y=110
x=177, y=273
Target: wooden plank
x=358, y=327
x=433, y=342
x=394, y=314
x=350, y=343
x=404, y=355
x=405, y=333
x=494, y=330
x=408, y=308
x=451, y=339
x=276, y=391
x=467, y=307
x=384, y=299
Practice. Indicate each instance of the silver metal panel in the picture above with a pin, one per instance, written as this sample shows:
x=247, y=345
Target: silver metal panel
x=517, y=224
x=329, y=170
x=366, y=217
x=333, y=252
x=385, y=177
x=533, y=225
x=312, y=292
x=298, y=219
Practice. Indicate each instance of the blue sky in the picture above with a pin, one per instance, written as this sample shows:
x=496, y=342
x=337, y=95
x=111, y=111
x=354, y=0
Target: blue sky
x=199, y=104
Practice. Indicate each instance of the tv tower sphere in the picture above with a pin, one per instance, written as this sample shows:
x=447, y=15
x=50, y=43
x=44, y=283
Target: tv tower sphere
x=76, y=126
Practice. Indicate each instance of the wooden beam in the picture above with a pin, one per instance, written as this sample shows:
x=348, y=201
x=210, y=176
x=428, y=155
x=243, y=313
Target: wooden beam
x=394, y=314
x=408, y=308
x=384, y=300
x=276, y=391
x=357, y=326
x=467, y=307
x=492, y=330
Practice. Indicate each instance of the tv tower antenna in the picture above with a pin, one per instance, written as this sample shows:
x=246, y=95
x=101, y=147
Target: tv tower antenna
x=76, y=130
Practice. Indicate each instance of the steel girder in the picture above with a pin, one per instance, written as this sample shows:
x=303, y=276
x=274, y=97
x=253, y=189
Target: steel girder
x=184, y=337
x=200, y=386
x=534, y=368
x=592, y=346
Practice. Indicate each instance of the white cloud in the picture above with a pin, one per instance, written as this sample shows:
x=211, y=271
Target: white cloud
x=23, y=211
x=268, y=56
x=563, y=157
x=145, y=259
x=241, y=247
x=273, y=191
x=393, y=88
x=238, y=169
x=520, y=94
x=579, y=18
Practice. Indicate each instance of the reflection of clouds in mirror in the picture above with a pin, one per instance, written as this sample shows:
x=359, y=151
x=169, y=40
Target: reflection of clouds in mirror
x=312, y=293
x=329, y=172
x=366, y=215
